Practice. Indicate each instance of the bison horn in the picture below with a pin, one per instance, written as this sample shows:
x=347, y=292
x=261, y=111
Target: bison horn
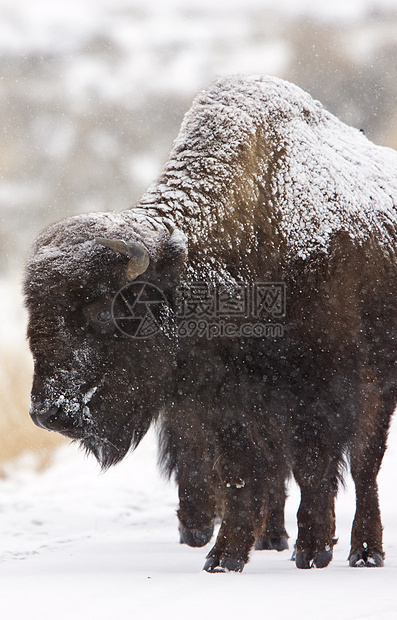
x=139, y=258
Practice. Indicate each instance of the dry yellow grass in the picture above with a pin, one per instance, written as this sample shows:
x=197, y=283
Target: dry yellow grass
x=18, y=434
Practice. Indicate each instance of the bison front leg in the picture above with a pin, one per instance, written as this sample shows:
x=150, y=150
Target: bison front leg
x=197, y=507
x=237, y=533
x=316, y=523
x=185, y=451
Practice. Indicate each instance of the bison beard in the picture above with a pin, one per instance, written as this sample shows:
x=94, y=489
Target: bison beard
x=262, y=186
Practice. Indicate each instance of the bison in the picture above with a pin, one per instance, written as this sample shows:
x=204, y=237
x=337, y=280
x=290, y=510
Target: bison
x=247, y=304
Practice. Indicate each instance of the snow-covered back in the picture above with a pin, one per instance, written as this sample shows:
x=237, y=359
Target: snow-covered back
x=265, y=143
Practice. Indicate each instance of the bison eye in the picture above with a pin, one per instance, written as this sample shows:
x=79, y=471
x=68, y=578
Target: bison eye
x=99, y=317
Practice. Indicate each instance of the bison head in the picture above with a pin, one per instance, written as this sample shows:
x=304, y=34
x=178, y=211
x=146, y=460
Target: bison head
x=95, y=286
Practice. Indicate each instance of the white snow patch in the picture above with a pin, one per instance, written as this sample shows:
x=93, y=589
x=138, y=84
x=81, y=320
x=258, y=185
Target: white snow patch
x=88, y=395
x=83, y=545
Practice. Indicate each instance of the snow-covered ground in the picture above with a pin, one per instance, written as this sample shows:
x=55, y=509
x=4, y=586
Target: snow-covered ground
x=79, y=544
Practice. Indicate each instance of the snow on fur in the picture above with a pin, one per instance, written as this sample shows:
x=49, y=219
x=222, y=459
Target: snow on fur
x=319, y=175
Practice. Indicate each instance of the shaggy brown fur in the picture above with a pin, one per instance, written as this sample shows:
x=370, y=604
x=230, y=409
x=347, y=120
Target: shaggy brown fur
x=263, y=185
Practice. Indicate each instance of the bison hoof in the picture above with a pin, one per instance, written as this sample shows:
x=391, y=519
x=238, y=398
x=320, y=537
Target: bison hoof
x=196, y=538
x=367, y=557
x=225, y=565
x=212, y=566
x=320, y=559
x=302, y=560
x=279, y=543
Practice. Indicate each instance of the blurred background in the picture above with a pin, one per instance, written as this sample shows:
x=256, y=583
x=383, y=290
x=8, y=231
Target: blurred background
x=92, y=94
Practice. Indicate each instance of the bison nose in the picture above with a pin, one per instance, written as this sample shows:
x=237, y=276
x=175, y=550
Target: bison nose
x=50, y=419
